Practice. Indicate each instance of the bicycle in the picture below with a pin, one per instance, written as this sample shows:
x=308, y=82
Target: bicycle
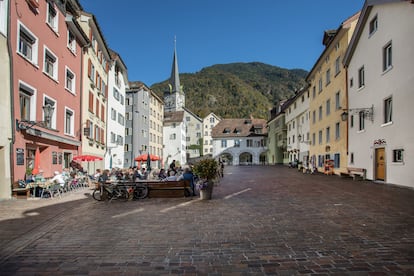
x=110, y=192
x=140, y=191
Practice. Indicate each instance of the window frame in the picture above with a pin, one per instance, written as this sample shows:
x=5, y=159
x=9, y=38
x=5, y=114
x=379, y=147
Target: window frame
x=361, y=77
x=71, y=89
x=71, y=126
x=30, y=40
x=52, y=20
x=387, y=57
x=53, y=62
x=71, y=43
x=388, y=110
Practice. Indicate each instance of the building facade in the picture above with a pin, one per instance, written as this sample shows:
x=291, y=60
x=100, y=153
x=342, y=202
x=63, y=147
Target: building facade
x=277, y=136
x=327, y=85
x=240, y=141
x=117, y=84
x=96, y=62
x=137, y=122
x=155, y=130
x=46, y=84
x=297, y=122
x=380, y=85
x=194, y=125
x=209, y=122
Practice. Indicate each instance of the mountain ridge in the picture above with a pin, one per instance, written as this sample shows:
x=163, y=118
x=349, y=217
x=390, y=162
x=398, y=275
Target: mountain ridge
x=237, y=90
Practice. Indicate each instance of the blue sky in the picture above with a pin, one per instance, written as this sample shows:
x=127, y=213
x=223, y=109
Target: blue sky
x=287, y=34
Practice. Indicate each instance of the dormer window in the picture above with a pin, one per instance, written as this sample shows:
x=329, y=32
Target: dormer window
x=237, y=130
x=226, y=130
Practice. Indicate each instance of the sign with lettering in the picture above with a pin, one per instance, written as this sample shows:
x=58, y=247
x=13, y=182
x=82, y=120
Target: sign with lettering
x=19, y=156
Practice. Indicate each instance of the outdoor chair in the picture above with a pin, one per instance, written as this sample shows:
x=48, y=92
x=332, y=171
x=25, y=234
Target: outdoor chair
x=51, y=190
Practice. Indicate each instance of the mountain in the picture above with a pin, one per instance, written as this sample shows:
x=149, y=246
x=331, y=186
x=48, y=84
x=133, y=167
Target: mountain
x=237, y=90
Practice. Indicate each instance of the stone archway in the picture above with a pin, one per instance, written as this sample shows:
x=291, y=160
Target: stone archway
x=227, y=158
x=245, y=158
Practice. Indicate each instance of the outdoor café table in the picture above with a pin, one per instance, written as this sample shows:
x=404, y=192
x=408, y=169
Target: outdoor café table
x=39, y=184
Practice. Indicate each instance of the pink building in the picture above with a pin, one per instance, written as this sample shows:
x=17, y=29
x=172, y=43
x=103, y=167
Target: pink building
x=47, y=45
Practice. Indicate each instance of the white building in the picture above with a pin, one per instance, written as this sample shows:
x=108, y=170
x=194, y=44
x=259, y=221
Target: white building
x=209, y=122
x=193, y=134
x=174, y=134
x=380, y=92
x=240, y=141
x=297, y=122
x=117, y=83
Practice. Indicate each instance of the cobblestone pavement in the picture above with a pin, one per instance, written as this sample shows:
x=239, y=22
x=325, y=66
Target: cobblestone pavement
x=268, y=220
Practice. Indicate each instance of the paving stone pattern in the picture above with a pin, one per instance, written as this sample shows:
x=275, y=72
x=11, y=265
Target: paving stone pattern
x=262, y=220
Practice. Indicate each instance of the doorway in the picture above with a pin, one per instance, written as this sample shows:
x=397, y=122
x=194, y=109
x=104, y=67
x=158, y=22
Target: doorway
x=380, y=164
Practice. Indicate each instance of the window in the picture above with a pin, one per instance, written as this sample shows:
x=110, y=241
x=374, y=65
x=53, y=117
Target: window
x=398, y=156
x=212, y=120
x=249, y=143
x=70, y=80
x=337, y=131
x=71, y=42
x=172, y=136
x=320, y=137
x=388, y=110
x=116, y=94
x=237, y=143
x=313, y=139
x=69, y=122
x=387, y=57
x=337, y=100
x=26, y=101
x=113, y=114
x=351, y=161
x=320, y=85
x=50, y=64
x=51, y=121
x=337, y=160
x=361, y=77
x=373, y=25
x=337, y=65
x=328, y=76
x=113, y=137
x=52, y=17
x=328, y=107
x=3, y=17
x=224, y=143
x=121, y=119
x=314, y=92
x=361, y=120
x=351, y=121
x=328, y=134
x=320, y=113
x=27, y=44
x=314, y=116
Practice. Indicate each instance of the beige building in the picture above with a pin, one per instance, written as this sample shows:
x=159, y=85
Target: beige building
x=209, y=122
x=277, y=136
x=96, y=61
x=328, y=98
x=155, y=128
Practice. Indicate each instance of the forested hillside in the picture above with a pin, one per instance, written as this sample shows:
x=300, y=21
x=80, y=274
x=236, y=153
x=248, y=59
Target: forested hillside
x=237, y=90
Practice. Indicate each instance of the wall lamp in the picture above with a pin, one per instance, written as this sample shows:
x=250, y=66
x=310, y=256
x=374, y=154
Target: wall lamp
x=26, y=124
x=367, y=111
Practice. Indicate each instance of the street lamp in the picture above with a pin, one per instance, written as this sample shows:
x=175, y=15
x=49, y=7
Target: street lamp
x=368, y=112
x=26, y=124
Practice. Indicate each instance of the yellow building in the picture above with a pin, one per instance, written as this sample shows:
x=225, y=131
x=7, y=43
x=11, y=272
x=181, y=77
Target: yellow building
x=328, y=98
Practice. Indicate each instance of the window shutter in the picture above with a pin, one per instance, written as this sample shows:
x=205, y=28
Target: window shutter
x=89, y=68
x=103, y=113
x=91, y=101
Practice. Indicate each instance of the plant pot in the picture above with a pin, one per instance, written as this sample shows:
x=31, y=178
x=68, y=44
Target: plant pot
x=205, y=194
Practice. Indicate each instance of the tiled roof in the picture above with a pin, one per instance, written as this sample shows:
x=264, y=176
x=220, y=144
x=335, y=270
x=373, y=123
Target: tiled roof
x=239, y=128
x=173, y=117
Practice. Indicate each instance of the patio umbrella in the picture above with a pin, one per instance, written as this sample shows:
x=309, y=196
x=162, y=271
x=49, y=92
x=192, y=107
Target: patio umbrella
x=87, y=158
x=144, y=157
x=36, y=165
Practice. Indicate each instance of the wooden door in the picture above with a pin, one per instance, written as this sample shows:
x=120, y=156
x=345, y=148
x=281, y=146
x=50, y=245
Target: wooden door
x=380, y=164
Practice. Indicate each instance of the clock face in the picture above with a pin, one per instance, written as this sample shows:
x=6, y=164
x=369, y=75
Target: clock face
x=169, y=102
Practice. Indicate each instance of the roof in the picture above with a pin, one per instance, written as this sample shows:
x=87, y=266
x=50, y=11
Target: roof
x=227, y=128
x=173, y=117
x=366, y=9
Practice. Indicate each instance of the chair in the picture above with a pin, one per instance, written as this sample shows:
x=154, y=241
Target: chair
x=52, y=190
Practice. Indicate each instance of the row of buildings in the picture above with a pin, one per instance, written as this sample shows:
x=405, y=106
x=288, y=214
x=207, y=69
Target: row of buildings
x=356, y=111
x=66, y=96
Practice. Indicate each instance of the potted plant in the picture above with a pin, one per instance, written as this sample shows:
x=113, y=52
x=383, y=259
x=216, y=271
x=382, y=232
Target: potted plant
x=206, y=170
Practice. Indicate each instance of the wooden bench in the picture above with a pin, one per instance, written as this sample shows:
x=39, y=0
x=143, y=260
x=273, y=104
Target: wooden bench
x=168, y=188
x=357, y=173
x=18, y=192
x=157, y=188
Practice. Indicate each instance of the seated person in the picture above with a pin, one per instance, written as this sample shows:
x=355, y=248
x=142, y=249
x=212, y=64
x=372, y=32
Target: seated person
x=162, y=174
x=171, y=177
x=188, y=175
x=58, y=179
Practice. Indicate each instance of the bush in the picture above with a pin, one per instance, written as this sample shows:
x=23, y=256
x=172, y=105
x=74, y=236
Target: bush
x=206, y=168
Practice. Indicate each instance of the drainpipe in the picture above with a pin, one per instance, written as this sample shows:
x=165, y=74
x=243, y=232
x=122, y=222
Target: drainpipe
x=11, y=74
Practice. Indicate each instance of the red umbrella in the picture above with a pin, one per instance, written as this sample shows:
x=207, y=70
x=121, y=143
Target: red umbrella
x=36, y=165
x=87, y=158
x=144, y=157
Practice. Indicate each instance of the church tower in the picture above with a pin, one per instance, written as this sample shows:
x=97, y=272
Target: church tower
x=174, y=97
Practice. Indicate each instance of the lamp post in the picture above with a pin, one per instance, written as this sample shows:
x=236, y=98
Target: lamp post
x=48, y=110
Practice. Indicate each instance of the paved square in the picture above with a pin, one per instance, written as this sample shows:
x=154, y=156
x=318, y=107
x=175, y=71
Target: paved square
x=268, y=220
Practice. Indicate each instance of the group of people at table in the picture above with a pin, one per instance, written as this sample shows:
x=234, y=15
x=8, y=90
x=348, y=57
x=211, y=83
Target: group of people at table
x=135, y=175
